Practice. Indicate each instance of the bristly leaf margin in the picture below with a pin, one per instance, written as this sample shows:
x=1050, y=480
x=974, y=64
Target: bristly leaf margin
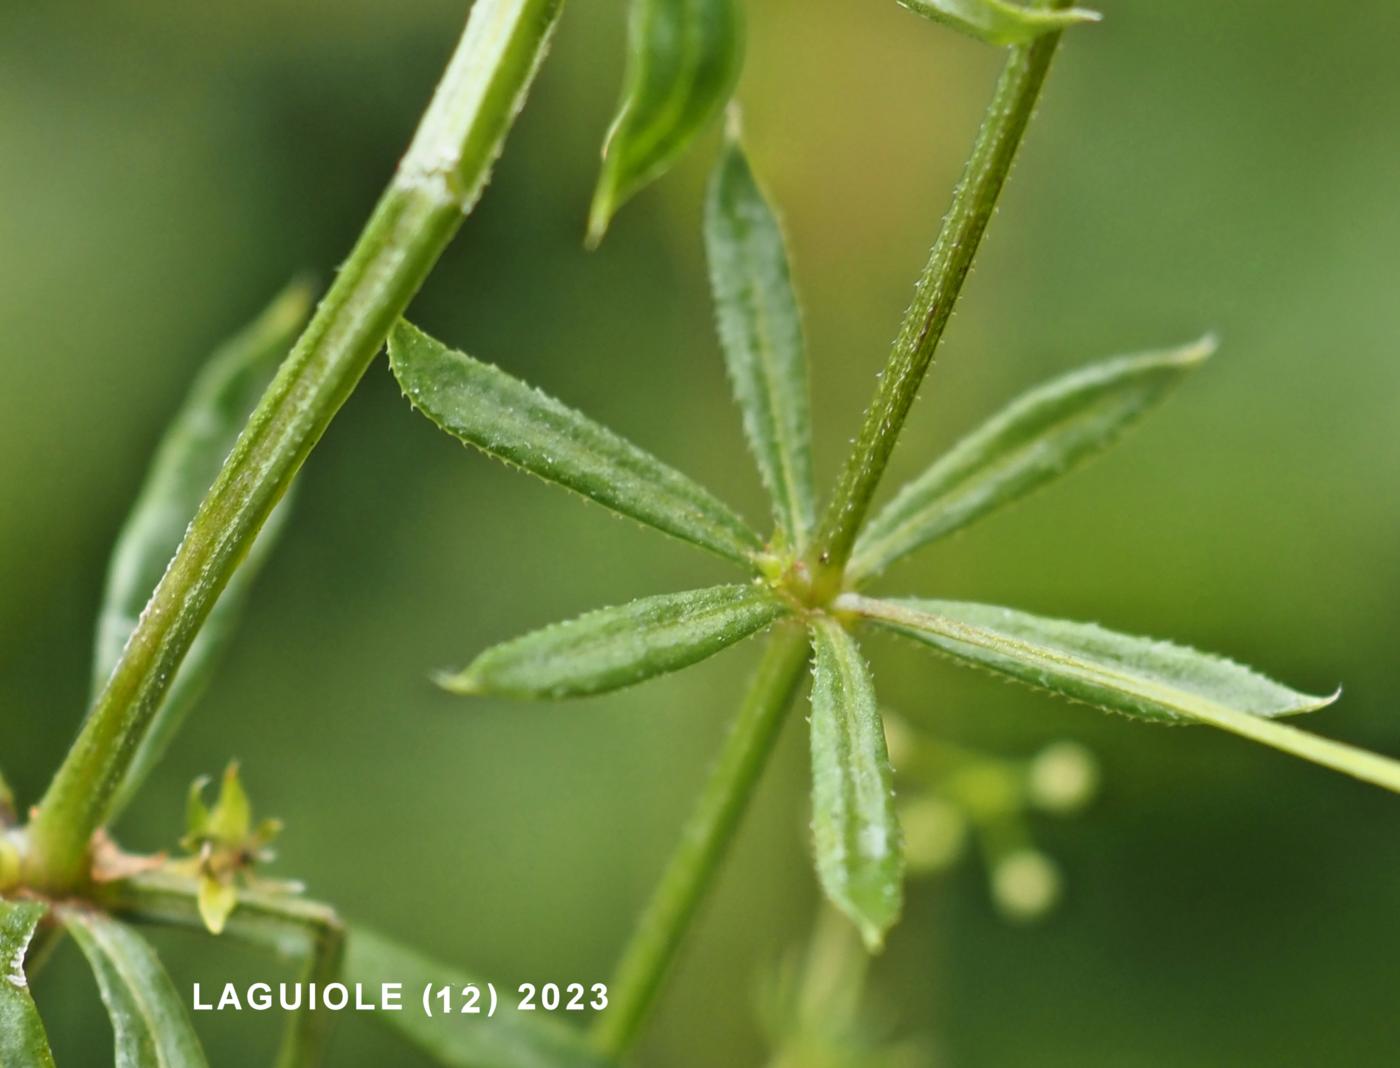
x=619, y=646
x=483, y=406
x=1040, y=436
x=760, y=331
x=855, y=830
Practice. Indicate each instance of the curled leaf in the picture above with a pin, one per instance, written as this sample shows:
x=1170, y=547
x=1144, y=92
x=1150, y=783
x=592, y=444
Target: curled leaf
x=148, y=1015
x=187, y=460
x=760, y=331
x=1000, y=22
x=615, y=647
x=855, y=831
x=683, y=58
x=1040, y=436
x=23, y=1041
x=482, y=406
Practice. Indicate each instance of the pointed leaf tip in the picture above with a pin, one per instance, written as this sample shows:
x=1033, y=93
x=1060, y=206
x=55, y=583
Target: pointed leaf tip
x=462, y=683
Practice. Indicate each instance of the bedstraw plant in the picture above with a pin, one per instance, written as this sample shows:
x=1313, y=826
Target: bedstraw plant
x=806, y=585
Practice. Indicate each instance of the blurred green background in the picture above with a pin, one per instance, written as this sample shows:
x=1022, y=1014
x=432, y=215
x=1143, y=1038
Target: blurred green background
x=164, y=167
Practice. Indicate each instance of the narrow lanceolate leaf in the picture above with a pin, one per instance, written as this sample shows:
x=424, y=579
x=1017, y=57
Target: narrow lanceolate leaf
x=1000, y=22
x=860, y=858
x=148, y=1015
x=23, y=1043
x=616, y=647
x=1147, y=679
x=510, y=1039
x=683, y=58
x=761, y=334
x=186, y=462
x=482, y=406
x=1038, y=437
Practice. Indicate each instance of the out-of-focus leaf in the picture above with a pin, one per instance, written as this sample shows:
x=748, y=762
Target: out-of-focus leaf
x=484, y=407
x=510, y=1039
x=760, y=331
x=860, y=857
x=1000, y=22
x=1139, y=677
x=683, y=59
x=1035, y=439
x=23, y=1041
x=615, y=647
x=148, y=1015
x=186, y=462
x=307, y=932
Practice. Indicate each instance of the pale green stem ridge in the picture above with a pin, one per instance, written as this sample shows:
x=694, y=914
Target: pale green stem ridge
x=437, y=181
x=692, y=868
x=937, y=290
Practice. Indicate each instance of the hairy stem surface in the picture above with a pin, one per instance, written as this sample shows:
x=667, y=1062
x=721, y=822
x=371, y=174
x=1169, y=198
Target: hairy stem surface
x=934, y=296
x=706, y=838
x=436, y=184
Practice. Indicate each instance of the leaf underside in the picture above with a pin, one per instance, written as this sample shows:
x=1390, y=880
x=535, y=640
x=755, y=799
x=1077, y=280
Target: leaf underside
x=760, y=331
x=1140, y=677
x=1040, y=436
x=619, y=646
x=148, y=1016
x=23, y=1041
x=683, y=58
x=509, y=1040
x=186, y=463
x=999, y=22
x=482, y=406
x=855, y=831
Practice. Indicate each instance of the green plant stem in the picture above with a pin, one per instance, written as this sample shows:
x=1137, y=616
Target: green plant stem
x=436, y=184
x=937, y=290
x=692, y=867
